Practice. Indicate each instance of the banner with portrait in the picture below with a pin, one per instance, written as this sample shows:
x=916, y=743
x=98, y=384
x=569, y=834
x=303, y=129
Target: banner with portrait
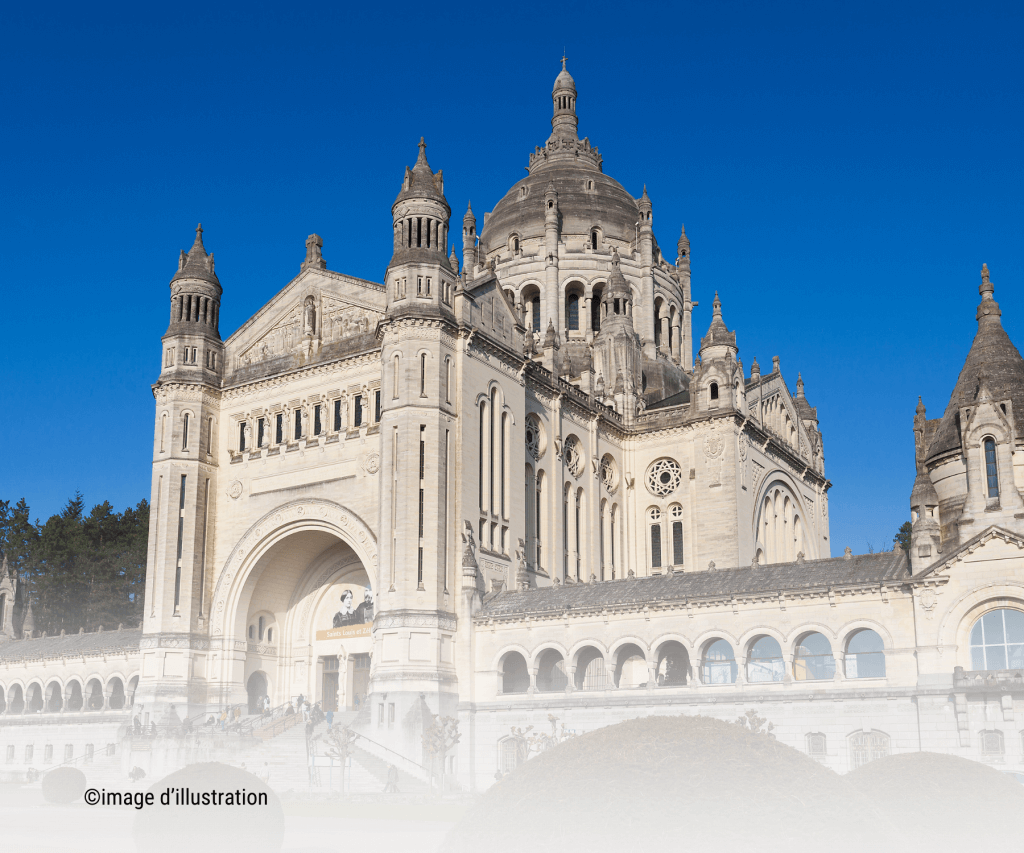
x=346, y=612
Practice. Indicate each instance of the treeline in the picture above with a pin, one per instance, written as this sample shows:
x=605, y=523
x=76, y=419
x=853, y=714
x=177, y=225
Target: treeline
x=81, y=569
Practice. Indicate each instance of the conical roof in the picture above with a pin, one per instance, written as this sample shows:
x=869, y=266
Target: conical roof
x=718, y=334
x=421, y=182
x=992, y=354
x=196, y=263
x=564, y=79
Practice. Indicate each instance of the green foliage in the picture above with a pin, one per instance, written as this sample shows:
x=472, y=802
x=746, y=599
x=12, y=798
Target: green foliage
x=902, y=537
x=82, y=569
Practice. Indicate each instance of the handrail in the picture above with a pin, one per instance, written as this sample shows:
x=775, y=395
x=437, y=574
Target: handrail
x=404, y=758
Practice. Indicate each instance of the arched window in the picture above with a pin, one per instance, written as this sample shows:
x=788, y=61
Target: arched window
x=565, y=531
x=572, y=312
x=270, y=635
x=593, y=235
x=813, y=660
x=864, y=655
x=997, y=641
x=535, y=313
x=654, y=519
x=163, y=430
x=676, y=513
x=630, y=667
x=447, y=380
x=538, y=506
x=714, y=390
x=992, y=743
x=551, y=672
x=395, y=376
x=867, y=746
x=765, y=663
x=184, y=432
x=991, y=474
x=591, y=672
x=719, y=665
x=673, y=664
x=816, y=744
x=509, y=753
x=595, y=311
x=252, y=632
x=261, y=624
x=423, y=374
x=515, y=677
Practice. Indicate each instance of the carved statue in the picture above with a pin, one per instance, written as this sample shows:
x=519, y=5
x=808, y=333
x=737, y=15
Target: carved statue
x=309, y=317
x=468, y=552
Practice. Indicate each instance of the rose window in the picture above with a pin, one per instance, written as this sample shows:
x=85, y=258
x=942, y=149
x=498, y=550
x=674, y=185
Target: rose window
x=572, y=456
x=663, y=477
x=609, y=475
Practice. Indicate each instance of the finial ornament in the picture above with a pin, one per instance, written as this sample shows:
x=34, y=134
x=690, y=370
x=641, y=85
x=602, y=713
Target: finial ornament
x=422, y=159
x=563, y=60
x=986, y=288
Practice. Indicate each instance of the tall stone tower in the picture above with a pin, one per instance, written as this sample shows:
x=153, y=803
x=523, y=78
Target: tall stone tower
x=413, y=671
x=184, y=480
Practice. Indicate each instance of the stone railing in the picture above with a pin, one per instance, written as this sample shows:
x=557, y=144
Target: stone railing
x=1002, y=679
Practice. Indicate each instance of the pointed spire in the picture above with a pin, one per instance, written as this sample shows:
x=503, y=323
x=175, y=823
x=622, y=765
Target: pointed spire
x=755, y=369
x=453, y=259
x=988, y=311
x=799, y=386
x=422, y=159
x=716, y=307
x=199, y=238
x=986, y=288
x=28, y=624
x=920, y=406
x=469, y=213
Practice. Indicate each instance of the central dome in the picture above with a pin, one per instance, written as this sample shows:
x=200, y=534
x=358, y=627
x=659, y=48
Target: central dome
x=587, y=198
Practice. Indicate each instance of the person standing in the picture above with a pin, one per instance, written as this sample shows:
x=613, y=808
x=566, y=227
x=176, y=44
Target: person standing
x=330, y=720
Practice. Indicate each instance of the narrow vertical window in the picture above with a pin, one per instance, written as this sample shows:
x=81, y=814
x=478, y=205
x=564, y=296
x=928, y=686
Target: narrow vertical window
x=423, y=374
x=447, y=380
x=261, y=628
x=535, y=304
x=480, y=454
x=991, y=473
x=537, y=509
x=261, y=432
x=184, y=432
x=376, y=407
x=677, y=535
x=565, y=532
x=298, y=424
x=317, y=425
x=579, y=501
x=241, y=437
x=163, y=430
x=394, y=377
x=656, y=546
x=358, y=413
x=611, y=539
x=279, y=429
x=337, y=415
x=573, y=313
x=504, y=450
x=181, y=538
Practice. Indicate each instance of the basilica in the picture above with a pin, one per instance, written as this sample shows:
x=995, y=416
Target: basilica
x=518, y=491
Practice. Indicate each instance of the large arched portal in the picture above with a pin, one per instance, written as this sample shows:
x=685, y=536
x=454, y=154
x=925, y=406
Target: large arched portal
x=300, y=602
x=256, y=687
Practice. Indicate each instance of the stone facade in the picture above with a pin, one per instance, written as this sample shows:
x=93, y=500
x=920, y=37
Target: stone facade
x=548, y=502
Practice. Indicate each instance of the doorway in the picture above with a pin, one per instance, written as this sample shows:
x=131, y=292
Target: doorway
x=360, y=680
x=329, y=684
x=256, y=687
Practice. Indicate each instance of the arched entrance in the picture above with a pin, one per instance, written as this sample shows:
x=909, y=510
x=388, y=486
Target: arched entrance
x=257, y=687
x=297, y=595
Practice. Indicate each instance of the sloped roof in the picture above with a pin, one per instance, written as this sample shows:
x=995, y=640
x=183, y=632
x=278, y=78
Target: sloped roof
x=862, y=570
x=72, y=645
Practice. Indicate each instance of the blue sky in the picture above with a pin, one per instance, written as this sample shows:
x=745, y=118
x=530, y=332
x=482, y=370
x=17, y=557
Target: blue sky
x=843, y=170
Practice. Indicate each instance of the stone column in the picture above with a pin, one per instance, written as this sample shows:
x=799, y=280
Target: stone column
x=676, y=331
x=664, y=348
x=532, y=689
x=588, y=325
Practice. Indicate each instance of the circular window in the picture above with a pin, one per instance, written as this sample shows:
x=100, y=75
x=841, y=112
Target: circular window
x=609, y=473
x=573, y=455
x=533, y=438
x=997, y=640
x=663, y=477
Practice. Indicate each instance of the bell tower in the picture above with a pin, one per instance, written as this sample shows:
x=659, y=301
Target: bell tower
x=413, y=674
x=184, y=481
